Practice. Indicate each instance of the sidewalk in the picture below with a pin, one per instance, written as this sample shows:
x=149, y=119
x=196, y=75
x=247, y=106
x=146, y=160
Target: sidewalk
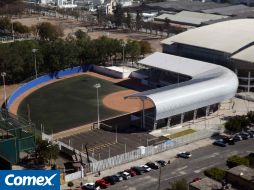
x=167, y=155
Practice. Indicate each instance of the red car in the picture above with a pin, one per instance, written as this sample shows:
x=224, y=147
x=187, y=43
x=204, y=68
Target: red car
x=102, y=183
x=131, y=172
x=196, y=179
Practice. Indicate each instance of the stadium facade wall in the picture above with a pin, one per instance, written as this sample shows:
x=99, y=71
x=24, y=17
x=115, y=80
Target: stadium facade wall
x=46, y=78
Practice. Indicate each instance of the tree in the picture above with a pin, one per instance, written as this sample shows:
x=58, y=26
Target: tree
x=145, y=47
x=100, y=15
x=237, y=123
x=167, y=26
x=138, y=20
x=70, y=184
x=50, y=32
x=118, y=15
x=234, y=161
x=215, y=173
x=250, y=116
x=133, y=49
x=5, y=23
x=20, y=28
x=128, y=21
x=180, y=184
x=46, y=150
x=81, y=35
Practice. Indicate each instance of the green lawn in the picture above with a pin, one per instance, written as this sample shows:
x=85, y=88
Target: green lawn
x=181, y=133
x=68, y=103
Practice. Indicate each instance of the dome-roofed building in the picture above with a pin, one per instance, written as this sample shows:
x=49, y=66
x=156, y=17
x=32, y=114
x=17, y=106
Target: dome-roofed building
x=229, y=43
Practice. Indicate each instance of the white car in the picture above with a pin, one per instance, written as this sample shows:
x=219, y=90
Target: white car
x=90, y=186
x=146, y=168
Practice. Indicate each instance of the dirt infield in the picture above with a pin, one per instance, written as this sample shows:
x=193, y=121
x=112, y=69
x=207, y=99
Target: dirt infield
x=117, y=102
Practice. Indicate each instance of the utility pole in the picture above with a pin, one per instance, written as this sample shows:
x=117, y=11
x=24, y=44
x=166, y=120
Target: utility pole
x=116, y=134
x=97, y=86
x=159, y=180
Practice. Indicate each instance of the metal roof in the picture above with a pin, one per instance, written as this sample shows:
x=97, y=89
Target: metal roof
x=228, y=36
x=210, y=84
x=185, y=5
x=230, y=10
x=245, y=55
x=192, y=18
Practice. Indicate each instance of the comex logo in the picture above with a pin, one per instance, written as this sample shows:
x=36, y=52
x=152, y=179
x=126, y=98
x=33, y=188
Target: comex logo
x=29, y=180
x=12, y=180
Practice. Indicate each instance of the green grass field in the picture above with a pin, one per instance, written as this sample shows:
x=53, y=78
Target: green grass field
x=68, y=103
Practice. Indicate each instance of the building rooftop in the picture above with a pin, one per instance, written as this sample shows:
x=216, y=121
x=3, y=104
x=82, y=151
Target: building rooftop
x=191, y=18
x=206, y=184
x=233, y=10
x=243, y=172
x=185, y=5
x=177, y=64
x=217, y=36
x=245, y=55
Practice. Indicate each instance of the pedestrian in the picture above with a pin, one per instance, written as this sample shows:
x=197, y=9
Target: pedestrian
x=99, y=173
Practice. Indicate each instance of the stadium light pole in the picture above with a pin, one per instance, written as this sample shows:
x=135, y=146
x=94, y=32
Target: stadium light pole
x=12, y=31
x=3, y=74
x=97, y=86
x=123, y=45
x=35, y=64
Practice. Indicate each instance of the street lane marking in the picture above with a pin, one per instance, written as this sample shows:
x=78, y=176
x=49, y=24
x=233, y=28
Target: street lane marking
x=204, y=168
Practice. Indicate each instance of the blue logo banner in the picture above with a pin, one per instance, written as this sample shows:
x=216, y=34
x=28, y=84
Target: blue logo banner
x=29, y=180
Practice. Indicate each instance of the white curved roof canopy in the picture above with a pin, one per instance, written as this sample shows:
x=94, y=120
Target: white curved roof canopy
x=210, y=84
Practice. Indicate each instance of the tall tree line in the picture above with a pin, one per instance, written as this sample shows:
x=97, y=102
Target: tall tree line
x=17, y=59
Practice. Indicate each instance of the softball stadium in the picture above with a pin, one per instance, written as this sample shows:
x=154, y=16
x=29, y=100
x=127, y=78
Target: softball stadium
x=107, y=111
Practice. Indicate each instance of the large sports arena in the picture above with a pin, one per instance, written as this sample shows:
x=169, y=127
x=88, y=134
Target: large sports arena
x=228, y=43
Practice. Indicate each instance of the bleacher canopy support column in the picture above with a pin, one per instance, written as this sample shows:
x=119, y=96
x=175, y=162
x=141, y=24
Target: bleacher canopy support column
x=182, y=118
x=169, y=122
x=143, y=113
x=249, y=75
x=195, y=115
x=155, y=125
x=207, y=111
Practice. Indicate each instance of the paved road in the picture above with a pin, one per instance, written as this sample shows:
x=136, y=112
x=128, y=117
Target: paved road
x=202, y=159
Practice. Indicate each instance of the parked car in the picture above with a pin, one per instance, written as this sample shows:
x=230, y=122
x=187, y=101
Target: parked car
x=184, y=155
x=237, y=138
x=116, y=178
x=90, y=186
x=131, y=172
x=125, y=175
x=244, y=135
x=146, y=168
x=138, y=170
x=102, y=183
x=152, y=165
x=119, y=176
x=110, y=180
x=251, y=133
x=219, y=143
x=251, y=155
x=162, y=163
x=196, y=179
